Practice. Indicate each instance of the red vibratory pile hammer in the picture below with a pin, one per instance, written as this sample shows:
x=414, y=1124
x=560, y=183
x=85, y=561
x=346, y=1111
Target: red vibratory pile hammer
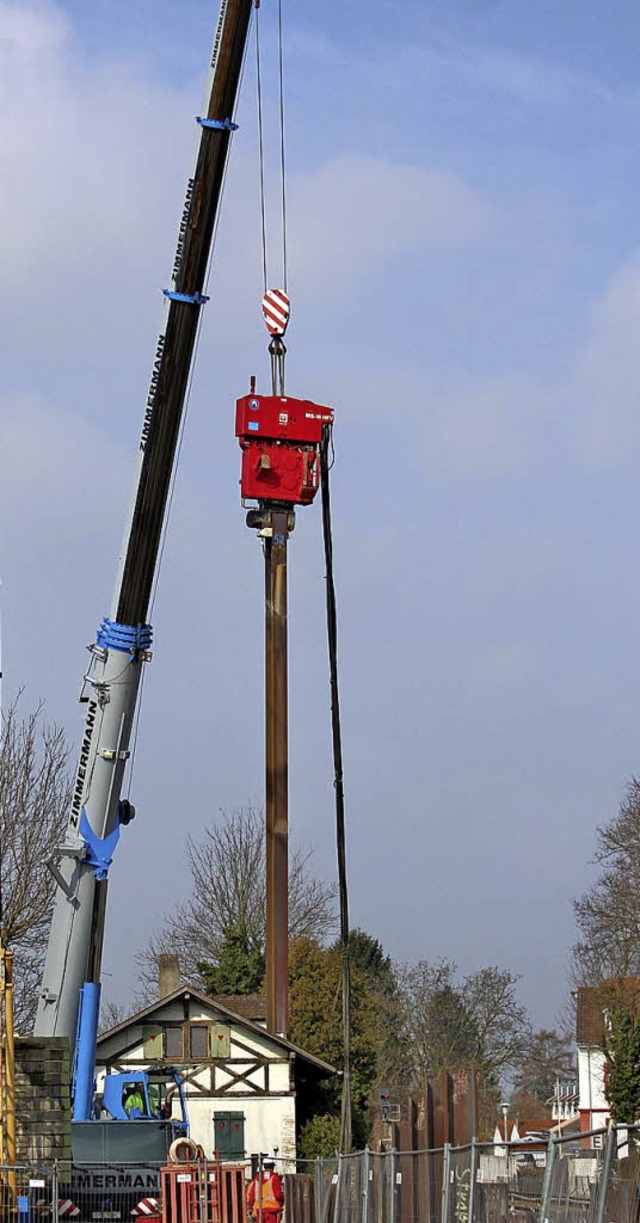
x=280, y=440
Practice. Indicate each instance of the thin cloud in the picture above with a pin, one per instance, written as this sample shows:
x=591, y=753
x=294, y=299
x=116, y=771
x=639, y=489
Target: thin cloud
x=363, y=211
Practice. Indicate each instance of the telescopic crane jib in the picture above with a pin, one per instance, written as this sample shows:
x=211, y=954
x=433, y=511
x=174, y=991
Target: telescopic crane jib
x=123, y=643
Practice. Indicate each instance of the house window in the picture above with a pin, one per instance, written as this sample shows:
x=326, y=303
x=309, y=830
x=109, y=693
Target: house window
x=173, y=1043
x=220, y=1039
x=228, y=1135
x=153, y=1041
x=198, y=1041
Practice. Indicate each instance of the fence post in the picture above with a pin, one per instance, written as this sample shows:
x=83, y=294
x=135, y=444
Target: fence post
x=605, y=1175
x=392, y=1200
x=55, y=1196
x=366, y=1161
x=472, y=1179
x=319, y=1179
x=546, y=1182
x=446, y=1178
x=336, y=1200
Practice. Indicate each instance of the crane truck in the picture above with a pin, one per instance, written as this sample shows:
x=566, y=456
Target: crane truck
x=69, y=998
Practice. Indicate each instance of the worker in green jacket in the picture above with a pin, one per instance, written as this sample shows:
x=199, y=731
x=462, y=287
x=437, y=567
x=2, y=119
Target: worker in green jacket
x=134, y=1100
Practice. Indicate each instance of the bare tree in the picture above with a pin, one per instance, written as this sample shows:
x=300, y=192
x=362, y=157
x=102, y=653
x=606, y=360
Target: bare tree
x=437, y=1029
x=35, y=792
x=608, y=914
x=547, y=1059
x=502, y=1026
x=228, y=872
x=111, y=1014
x=447, y=1023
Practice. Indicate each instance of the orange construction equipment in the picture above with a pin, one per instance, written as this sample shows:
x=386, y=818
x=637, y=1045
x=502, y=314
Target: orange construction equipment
x=181, y=1190
x=203, y=1192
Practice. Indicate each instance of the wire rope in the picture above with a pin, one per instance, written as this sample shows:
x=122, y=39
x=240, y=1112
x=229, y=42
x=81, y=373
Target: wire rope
x=263, y=218
x=338, y=782
x=282, y=152
x=283, y=177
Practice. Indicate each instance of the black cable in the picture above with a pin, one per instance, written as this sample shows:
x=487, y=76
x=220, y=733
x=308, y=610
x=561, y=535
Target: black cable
x=285, y=269
x=338, y=782
x=261, y=151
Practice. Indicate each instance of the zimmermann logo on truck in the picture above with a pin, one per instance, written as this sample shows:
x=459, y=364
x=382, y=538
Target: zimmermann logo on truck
x=85, y=750
x=115, y=1180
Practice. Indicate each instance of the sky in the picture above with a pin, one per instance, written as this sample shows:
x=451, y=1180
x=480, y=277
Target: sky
x=464, y=268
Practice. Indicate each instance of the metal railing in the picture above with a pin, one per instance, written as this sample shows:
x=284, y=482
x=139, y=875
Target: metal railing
x=579, y=1178
x=94, y=1193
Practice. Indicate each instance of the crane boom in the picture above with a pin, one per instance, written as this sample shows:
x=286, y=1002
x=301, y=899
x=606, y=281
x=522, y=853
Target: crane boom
x=122, y=646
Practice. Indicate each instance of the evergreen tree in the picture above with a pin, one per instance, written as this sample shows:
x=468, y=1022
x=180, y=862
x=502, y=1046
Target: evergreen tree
x=622, y=1047
x=316, y=1025
x=239, y=968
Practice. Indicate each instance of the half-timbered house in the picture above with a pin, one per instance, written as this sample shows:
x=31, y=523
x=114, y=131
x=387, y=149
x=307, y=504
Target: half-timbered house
x=246, y=1089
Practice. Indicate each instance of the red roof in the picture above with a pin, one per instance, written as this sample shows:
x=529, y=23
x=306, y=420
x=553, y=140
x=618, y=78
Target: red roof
x=593, y=1000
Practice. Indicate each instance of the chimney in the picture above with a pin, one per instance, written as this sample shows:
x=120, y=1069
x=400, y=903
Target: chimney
x=168, y=973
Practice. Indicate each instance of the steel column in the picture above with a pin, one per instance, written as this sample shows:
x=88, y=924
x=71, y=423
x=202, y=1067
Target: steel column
x=277, y=774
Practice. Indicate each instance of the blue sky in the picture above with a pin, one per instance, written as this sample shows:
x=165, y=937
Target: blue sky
x=465, y=276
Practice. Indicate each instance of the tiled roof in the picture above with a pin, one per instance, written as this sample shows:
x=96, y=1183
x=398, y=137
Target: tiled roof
x=592, y=1002
x=535, y=1125
x=248, y=1006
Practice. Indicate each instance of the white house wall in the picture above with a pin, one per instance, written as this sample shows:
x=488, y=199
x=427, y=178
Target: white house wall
x=594, y=1109
x=269, y=1125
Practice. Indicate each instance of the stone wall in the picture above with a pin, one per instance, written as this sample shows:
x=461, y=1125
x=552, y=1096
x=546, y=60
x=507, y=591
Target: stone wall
x=43, y=1104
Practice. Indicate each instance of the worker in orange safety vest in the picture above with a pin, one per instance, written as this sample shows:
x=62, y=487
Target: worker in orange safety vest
x=267, y=1192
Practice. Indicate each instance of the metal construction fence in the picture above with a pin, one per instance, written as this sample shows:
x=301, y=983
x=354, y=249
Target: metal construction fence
x=80, y=1193
x=579, y=1178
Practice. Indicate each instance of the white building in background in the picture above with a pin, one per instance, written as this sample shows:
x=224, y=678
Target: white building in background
x=591, y=1021
x=243, y=1085
x=564, y=1103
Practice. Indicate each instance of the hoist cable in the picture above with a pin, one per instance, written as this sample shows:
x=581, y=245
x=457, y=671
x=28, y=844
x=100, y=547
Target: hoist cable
x=261, y=150
x=338, y=783
x=283, y=177
x=285, y=270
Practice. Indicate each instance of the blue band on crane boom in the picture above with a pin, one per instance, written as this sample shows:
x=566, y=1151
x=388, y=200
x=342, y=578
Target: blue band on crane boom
x=125, y=637
x=196, y=299
x=218, y=125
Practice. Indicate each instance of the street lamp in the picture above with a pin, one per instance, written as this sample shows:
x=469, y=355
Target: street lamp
x=505, y=1114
